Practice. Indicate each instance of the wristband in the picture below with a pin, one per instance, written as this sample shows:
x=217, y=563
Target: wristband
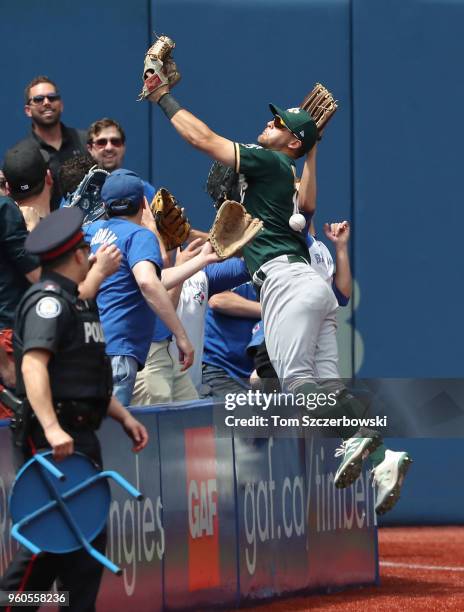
x=169, y=105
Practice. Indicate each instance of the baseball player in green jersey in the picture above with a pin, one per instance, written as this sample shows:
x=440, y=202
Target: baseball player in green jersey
x=295, y=300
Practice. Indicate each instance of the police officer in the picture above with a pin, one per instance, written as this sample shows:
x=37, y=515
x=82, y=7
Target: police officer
x=65, y=378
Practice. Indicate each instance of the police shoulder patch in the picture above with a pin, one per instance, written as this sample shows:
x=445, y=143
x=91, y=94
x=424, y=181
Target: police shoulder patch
x=48, y=308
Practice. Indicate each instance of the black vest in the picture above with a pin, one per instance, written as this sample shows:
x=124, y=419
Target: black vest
x=80, y=370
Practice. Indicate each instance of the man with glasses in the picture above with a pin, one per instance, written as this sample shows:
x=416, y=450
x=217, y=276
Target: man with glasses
x=43, y=104
x=106, y=143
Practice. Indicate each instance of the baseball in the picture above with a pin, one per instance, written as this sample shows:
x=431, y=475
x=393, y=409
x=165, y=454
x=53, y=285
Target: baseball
x=297, y=222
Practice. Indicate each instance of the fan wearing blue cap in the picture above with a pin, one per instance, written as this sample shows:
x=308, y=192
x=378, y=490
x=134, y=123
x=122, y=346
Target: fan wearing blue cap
x=130, y=299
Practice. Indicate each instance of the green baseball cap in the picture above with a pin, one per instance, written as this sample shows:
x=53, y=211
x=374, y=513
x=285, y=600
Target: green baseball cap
x=300, y=123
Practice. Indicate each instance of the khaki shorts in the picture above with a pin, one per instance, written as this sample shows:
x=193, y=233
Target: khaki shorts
x=162, y=381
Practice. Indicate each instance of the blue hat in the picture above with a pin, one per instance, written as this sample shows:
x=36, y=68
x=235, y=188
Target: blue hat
x=122, y=192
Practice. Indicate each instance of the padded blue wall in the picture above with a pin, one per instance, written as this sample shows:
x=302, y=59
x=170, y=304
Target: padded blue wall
x=408, y=93
x=92, y=50
x=236, y=57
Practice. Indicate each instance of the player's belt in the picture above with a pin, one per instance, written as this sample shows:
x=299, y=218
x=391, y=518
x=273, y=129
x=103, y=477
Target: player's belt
x=299, y=259
x=259, y=276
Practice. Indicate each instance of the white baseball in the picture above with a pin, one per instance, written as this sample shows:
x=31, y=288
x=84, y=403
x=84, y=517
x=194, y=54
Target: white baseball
x=297, y=222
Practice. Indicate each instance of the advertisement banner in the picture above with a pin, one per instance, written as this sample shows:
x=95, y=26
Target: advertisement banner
x=136, y=537
x=224, y=518
x=271, y=515
x=341, y=523
x=197, y=479
x=296, y=530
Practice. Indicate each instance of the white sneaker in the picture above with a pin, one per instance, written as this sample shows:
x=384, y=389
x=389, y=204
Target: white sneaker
x=354, y=451
x=388, y=477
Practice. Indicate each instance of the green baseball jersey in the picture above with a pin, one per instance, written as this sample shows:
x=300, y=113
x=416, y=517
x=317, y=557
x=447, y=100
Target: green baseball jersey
x=270, y=178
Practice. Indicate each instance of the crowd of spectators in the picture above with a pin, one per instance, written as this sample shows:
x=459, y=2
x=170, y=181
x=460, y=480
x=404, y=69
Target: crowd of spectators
x=176, y=324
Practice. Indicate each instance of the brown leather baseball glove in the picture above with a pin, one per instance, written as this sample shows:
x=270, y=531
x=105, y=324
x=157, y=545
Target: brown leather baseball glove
x=159, y=68
x=232, y=229
x=320, y=104
x=173, y=226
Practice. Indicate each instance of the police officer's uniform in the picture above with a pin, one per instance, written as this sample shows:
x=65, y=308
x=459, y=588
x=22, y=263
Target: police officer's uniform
x=51, y=317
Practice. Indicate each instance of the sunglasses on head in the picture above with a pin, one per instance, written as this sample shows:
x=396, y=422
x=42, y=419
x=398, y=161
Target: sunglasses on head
x=51, y=97
x=102, y=142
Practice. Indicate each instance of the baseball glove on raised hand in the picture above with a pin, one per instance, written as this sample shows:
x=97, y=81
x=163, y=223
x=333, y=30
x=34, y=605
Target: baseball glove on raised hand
x=159, y=68
x=173, y=226
x=87, y=196
x=232, y=229
x=320, y=104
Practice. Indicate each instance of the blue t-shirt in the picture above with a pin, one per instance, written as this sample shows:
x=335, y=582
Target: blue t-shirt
x=221, y=277
x=227, y=338
x=126, y=317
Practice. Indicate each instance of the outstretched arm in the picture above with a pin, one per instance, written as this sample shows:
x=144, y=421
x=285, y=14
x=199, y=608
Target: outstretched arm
x=308, y=185
x=339, y=234
x=193, y=130
x=234, y=305
x=173, y=276
x=200, y=136
x=158, y=299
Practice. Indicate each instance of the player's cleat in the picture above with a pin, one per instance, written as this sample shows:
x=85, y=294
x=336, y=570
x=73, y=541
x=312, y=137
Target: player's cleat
x=389, y=476
x=354, y=451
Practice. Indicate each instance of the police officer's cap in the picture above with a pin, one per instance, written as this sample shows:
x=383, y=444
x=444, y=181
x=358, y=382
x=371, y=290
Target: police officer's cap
x=57, y=234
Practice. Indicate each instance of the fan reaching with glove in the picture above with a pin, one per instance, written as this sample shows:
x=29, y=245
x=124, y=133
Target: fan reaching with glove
x=171, y=222
x=233, y=228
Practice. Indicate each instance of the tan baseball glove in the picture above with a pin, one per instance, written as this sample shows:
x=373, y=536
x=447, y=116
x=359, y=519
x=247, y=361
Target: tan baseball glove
x=173, y=226
x=232, y=229
x=320, y=104
x=159, y=68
